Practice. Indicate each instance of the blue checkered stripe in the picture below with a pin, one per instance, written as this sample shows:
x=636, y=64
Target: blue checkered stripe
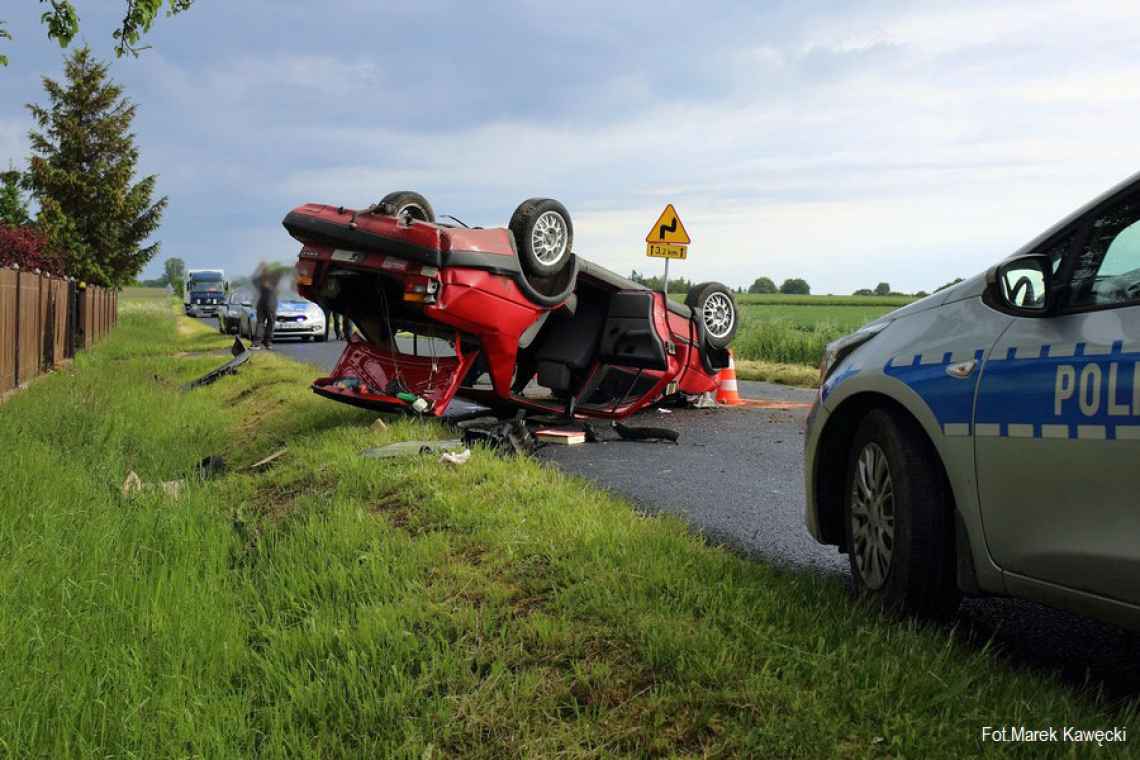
x=1078, y=391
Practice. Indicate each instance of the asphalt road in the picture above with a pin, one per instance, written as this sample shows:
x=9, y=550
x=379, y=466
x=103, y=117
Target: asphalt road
x=737, y=476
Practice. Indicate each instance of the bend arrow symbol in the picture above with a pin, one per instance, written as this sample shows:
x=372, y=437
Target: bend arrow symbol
x=671, y=227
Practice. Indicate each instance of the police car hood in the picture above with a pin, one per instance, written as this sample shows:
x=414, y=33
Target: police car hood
x=968, y=288
x=971, y=288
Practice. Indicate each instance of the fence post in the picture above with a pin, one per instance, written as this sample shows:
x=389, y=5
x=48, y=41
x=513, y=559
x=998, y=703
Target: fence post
x=16, y=379
x=40, y=319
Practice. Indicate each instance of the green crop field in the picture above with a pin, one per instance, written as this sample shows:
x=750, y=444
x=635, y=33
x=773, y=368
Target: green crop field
x=782, y=337
x=795, y=329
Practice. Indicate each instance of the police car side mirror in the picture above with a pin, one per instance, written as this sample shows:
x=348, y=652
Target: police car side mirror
x=1024, y=285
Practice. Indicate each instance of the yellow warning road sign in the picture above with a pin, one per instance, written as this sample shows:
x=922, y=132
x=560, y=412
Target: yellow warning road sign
x=659, y=251
x=668, y=230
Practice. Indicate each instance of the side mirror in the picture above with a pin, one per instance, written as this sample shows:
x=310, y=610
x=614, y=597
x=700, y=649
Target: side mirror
x=1025, y=284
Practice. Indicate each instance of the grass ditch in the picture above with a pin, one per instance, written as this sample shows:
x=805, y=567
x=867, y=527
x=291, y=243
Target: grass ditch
x=336, y=606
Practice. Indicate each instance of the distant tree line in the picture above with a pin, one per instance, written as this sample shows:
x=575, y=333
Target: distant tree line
x=797, y=286
x=676, y=284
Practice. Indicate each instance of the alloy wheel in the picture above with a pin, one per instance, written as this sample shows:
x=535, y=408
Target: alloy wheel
x=873, y=516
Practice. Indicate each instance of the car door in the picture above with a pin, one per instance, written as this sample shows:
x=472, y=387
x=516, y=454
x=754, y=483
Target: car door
x=1057, y=414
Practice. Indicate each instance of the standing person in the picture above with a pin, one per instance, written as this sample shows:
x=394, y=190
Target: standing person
x=265, y=279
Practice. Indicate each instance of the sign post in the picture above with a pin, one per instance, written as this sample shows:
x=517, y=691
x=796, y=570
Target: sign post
x=667, y=239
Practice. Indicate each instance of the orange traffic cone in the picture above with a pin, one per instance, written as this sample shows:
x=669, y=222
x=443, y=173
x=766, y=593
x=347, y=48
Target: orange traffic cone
x=727, y=393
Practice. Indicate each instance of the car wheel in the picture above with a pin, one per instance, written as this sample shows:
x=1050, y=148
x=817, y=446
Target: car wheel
x=544, y=236
x=898, y=519
x=406, y=203
x=716, y=307
x=306, y=338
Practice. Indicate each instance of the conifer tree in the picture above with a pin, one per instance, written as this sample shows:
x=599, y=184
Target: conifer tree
x=82, y=173
x=13, y=208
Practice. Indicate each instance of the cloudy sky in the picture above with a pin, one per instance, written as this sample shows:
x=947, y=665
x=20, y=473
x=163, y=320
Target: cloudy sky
x=847, y=143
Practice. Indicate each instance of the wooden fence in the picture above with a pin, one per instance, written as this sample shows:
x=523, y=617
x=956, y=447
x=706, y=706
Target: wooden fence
x=44, y=320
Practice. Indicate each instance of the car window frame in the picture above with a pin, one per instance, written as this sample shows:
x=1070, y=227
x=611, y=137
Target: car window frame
x=1079, y=231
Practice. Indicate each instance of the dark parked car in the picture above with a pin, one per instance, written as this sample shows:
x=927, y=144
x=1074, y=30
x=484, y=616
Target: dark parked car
x=230, y=313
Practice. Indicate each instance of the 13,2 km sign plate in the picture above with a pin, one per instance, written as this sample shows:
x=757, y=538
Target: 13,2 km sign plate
x=659, y=251
x=668, y=238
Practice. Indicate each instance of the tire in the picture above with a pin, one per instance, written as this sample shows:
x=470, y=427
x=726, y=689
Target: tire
x=544, y=236
x=406, y=202
x=910, y=567
x=306, y=338
x=321, y=338
x=722, y=317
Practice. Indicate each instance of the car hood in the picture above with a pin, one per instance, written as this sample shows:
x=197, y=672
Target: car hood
x=968, y=288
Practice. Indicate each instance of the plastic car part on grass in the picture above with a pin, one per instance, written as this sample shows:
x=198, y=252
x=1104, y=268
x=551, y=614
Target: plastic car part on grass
x=412, y=448
x=241, y=356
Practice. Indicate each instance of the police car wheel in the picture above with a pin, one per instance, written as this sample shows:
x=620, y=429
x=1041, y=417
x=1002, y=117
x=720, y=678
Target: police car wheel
x=898, y=519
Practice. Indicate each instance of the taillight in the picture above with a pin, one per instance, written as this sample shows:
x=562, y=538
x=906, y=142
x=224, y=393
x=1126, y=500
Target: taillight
x=305, y=270
x=420, y=289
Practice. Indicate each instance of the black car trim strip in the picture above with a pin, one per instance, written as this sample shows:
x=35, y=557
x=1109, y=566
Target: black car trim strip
x=338, y=234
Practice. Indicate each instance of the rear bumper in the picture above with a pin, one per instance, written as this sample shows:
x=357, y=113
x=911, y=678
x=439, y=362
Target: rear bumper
x=816, y=421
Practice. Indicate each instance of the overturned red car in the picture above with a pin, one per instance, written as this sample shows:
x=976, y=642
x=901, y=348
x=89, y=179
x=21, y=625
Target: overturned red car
x=506, y=318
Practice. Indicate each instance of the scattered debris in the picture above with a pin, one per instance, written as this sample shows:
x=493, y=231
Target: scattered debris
x=561, y=437
x=662, y=410
x=705, y=401
x=241, y=355
x=379, y=426
x=457, y=458
x=263, y=464
x=211, y=467
x=625, y=433
x=646, y=433
x=134, y=485
x=409, y=448
x=505, y=438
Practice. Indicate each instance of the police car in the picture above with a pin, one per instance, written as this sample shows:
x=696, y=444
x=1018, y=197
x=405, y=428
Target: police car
x=986, y=439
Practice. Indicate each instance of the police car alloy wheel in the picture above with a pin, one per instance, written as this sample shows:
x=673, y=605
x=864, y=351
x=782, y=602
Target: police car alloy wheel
x=899, y=518
x=872, y=502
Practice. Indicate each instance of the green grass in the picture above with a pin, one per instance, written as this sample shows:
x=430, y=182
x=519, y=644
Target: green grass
x=775, y=372
x=342, y=607
x=794, y=330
